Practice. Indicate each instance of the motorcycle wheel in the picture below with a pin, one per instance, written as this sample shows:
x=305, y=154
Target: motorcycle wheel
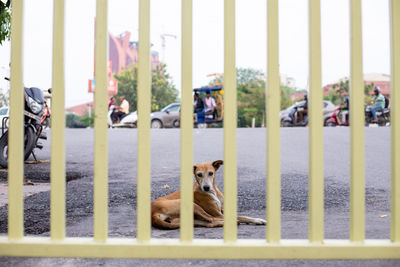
x=29, y=143
x=331, y=124
x=286, y=124
x=382, y=122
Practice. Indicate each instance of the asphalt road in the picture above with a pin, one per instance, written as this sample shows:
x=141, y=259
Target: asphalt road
x=208, y=146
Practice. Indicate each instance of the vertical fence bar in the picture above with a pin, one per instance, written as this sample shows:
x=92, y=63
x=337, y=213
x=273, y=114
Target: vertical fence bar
x=316, y=183
x=187, y=125
x=100, y=123
x=395, y=121
x=16, y=132
x=144, y=95
x=273, y=125
x=357, y=187
x=57, y=163
x=230, y=124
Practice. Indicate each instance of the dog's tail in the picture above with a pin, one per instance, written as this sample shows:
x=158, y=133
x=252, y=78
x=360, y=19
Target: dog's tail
x=164, y=224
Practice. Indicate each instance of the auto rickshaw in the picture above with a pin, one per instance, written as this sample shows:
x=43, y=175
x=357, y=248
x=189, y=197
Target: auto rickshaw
x=204, y=116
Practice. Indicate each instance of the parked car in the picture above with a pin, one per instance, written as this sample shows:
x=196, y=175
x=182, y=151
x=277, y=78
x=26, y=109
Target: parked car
x=328, y=109
x=166, y=118
x=4, y=113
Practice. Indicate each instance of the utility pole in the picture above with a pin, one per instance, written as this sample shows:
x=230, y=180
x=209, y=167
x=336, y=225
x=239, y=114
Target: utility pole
x=163, y=44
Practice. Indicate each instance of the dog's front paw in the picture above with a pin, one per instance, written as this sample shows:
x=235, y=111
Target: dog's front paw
x=258, y=221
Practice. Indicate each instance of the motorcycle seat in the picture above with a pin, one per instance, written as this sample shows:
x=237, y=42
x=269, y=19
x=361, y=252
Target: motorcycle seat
x=123, y=116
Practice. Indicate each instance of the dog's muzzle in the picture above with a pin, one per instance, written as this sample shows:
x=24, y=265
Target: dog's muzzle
x=206, y=188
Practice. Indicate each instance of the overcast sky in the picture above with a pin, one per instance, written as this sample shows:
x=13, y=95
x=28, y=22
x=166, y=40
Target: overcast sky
x=207, y=39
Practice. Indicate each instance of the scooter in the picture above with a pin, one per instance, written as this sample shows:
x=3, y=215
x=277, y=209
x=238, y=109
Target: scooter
x=126, y=121
x=382, y=115
x=337, y=118
x=291, y=119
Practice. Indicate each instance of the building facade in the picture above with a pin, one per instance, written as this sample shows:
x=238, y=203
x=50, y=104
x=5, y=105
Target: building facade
x=378, y=79
x=123, y=52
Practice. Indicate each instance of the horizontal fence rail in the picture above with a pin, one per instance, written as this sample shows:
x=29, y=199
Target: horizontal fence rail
x=273, y=247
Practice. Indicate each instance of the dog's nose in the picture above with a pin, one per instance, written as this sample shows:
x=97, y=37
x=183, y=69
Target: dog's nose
x=206, y=188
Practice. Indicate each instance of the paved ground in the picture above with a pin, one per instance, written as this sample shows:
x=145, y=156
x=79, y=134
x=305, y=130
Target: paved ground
x=251, y=188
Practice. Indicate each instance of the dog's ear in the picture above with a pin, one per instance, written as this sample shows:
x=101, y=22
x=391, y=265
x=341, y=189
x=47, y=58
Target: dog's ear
x=216, y=164
x=194, y=169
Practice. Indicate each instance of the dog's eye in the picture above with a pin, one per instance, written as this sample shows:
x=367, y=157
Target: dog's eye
x=200, y=174
x=210, y=173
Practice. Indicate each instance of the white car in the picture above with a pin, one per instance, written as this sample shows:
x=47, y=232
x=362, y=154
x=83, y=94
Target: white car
x=4, y=113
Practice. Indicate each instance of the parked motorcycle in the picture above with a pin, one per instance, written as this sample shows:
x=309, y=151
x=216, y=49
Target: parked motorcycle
x=339, y=117
x=292, y=119
x=127, y=120
x=36, y=119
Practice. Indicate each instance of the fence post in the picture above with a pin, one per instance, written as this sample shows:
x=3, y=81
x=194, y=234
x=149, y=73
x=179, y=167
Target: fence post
x=273, y=125
x=395, y=121
x=57, y=213
x=144, y=98
x=230, y=124
x=316, y=145
x=186, y=125
x=100, y=122
x=357, y=187
x=16, y=129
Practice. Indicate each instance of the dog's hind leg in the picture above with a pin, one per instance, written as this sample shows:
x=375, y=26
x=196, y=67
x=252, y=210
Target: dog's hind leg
x=257, y=221
x=201, y=214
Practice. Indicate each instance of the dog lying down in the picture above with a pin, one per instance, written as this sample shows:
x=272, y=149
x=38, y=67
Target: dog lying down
x=207, y=206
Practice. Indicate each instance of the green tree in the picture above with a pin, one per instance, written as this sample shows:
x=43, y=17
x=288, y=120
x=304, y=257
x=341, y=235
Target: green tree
x=3, y=99
x=73, y=121
x=162, y=88
x=286, y=91
x=4, y=21
x=87, y=120
x=340, y=89
x=250, y=96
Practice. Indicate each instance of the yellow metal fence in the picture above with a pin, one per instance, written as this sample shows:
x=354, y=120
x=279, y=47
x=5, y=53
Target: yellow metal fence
x=316, y=247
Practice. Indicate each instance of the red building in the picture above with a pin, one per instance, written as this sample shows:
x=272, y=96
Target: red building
x=82, y=109
x=123, y=52
x=380, y=80
x=297, y=96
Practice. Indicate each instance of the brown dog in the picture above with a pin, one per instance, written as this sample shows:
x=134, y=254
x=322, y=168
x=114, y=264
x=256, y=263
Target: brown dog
x=207, y=206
